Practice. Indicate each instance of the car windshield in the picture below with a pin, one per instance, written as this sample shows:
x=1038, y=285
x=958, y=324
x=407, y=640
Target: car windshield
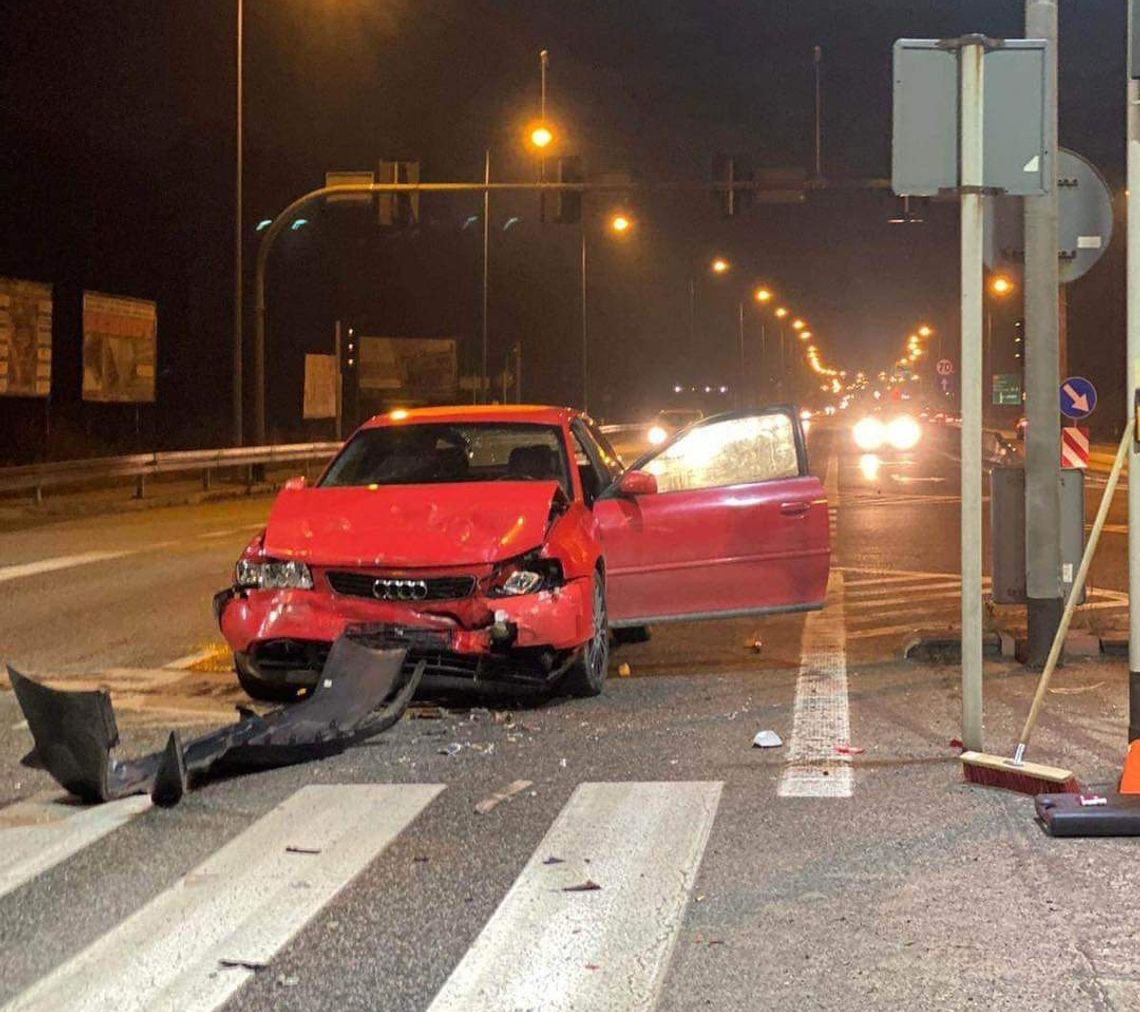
x=679, y=417
x=453, y=452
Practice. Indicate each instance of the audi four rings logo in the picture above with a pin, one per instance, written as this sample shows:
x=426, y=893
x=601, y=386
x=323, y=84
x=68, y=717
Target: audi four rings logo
x=400, y=590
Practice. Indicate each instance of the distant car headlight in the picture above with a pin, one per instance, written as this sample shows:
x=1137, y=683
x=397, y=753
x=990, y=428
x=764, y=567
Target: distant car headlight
x=869, y=434
x=904, y=432
x=273, y=574
x=657, y=435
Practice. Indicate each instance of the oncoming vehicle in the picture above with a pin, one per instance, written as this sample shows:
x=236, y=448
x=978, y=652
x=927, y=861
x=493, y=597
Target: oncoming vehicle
x=669, y=421
x=501, y=544
x=873, y=433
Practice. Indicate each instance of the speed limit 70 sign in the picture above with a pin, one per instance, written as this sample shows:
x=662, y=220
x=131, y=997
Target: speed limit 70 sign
x=944, y=367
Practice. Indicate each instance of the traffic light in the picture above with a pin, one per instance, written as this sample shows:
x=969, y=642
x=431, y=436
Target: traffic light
x=399, y=209
x=727, y=172
x=565, y=205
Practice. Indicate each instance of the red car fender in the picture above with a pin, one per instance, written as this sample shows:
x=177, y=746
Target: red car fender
x=573, y=541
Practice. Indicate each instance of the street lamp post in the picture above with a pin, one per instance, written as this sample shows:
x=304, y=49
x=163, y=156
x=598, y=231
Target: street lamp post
x=237, y=337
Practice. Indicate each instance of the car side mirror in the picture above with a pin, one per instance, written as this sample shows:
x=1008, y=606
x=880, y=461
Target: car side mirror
x=295, y=484
x=637, y=483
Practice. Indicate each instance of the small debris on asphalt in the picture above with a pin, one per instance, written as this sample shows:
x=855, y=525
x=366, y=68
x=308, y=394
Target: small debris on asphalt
x=553, y=860
x=504, y=717
x=284, y=981
x=755, y=644
x=562, y=763
x=513, y=788
x=623, y=670
x=302, y=850
x=588, y=886
x=426, y=712
x=849, y=750
x=1073, y=690
x=767, y=739
x=420, y=859
x=453, y=749
x=592, y=966
x=956, y=743
x=243, y=964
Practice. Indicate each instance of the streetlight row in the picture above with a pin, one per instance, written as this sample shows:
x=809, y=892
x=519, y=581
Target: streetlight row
x=764, y=295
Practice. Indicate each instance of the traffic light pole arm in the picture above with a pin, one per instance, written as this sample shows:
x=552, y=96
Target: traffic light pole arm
x=287, y=216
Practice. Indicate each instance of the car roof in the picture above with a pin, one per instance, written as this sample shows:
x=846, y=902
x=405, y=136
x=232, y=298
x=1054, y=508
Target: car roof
x=535, y=414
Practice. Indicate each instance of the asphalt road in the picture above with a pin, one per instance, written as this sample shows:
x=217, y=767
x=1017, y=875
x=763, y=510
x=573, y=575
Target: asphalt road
x=849, y=868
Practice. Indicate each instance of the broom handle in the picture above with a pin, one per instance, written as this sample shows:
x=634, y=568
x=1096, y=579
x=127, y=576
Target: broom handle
x=1078, y=586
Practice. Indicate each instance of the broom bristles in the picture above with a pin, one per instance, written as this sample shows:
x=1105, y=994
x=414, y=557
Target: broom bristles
x=1026, y=778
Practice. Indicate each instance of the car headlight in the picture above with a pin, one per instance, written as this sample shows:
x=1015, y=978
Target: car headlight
x=657, y=435
x=869, y=434
x=273, y=574
x=527, y=575
x=904, y=432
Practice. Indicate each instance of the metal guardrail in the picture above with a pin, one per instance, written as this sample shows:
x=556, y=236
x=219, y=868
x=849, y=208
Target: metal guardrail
x=140, y=466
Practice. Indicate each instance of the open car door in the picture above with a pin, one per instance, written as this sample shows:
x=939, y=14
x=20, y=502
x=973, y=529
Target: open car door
x=736, y=525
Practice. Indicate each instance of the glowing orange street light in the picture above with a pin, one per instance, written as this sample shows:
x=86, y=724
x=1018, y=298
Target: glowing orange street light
x=925, y=331
x=763, y=295
x=781, y=312
x=541, y=136
x=798, y=324
x=719, y=265
x=620, y=224
x=1001, y=285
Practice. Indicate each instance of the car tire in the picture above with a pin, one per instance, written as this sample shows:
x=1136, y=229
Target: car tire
x=260, y=689
x=587, y=674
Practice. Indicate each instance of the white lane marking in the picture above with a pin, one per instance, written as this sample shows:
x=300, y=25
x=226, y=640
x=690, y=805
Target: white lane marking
x=604, y=949
x=220, y=534
x=57, y=563
x=196, y=944
x=919, y=598
x=820, y=720
x=894, y=630
x=38, y=833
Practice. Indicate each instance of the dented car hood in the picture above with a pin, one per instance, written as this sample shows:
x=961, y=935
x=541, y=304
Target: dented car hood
x=410, y=525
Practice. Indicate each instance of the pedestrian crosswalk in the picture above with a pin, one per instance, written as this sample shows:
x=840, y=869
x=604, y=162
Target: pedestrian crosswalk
x=608, y=885
x=894, y=602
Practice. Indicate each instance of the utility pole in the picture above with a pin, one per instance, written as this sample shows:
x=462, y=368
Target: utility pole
x=740, y=382
x=585, y=332
x=237, y=348
x=1042, y=350
x=818, y=58
x=1132, y=372
x=972, y=84
x=486, y=267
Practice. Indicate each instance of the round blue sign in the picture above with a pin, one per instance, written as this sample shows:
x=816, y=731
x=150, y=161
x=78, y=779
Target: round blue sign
x=1078, y=397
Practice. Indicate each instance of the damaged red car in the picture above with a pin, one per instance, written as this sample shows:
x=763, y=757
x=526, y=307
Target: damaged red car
x=502, y=545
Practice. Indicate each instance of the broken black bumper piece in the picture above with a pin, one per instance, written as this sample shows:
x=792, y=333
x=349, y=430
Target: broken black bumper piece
x=358, y=695
x=1105, y=814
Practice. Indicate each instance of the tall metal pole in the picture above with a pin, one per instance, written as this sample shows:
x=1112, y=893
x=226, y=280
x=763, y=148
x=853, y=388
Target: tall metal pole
x=818, y=56
x=740, y=397
x=1132, y=374
x=585, y=345
x=970, y=75
x=1043, y=436
x=692, y=317
x=338, y=354
x=543, y=61
x=764, y=384
x=236, y=424
x=486, y=267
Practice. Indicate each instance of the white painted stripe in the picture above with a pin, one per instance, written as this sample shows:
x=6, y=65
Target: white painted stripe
x=38, y=833
x=950, y=628
x=876, y=589
x=240, y=906
x=549, y=949
x=916, y=600
x=56, y=563
x=820, y=720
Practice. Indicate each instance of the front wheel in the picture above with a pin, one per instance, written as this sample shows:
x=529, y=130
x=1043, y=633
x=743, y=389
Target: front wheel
x=587, y=674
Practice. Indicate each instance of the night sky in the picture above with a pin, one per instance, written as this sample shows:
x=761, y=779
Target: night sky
x=116, y=155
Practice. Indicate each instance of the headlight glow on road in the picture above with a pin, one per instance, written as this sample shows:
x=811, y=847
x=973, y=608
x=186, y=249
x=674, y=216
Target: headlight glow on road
x=657, y=435
x=869, y=434
x=903, y=433
x=869, y=466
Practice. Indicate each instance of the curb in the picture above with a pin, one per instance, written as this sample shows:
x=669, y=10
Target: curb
x=947, y=649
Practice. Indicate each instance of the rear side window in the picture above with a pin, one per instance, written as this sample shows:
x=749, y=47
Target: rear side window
x=732, y=451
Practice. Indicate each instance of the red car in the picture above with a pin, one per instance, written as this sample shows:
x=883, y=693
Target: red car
x=502, y=544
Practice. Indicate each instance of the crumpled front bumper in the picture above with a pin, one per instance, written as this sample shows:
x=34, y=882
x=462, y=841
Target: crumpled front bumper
x=526, y=639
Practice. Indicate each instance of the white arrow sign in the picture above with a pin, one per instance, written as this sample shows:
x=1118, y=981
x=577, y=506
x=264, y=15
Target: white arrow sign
x=1080, y=401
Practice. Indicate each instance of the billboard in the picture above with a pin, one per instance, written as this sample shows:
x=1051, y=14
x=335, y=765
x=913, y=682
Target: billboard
x=25, y=338
x=119, y=347
x=421, y=369
x=321, y=383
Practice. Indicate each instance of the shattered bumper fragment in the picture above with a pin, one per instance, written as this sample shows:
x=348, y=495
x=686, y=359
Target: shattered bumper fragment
x=359, y=694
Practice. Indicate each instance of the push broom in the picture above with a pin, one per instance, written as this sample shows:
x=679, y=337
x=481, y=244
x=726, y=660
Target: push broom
x=1014, y=773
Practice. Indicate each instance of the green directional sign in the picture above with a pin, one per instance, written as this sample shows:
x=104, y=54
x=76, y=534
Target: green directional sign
x=1007, y=388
